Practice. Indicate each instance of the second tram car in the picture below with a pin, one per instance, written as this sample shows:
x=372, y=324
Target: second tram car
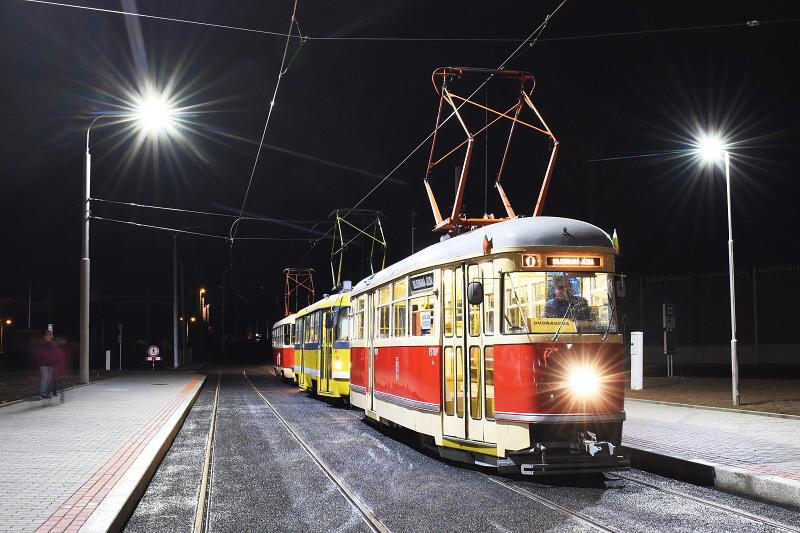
x=322, y=347
x=283, y=347
x=499, y=347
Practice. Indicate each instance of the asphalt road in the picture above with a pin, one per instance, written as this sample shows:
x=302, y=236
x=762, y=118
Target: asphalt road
x=262, y=479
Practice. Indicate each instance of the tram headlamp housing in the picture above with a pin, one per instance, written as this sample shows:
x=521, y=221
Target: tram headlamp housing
x=337, y=365
x=583, y=381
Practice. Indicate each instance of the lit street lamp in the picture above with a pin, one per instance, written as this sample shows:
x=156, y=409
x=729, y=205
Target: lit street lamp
x=712, y=149
x=3, y=324
x=152, y=115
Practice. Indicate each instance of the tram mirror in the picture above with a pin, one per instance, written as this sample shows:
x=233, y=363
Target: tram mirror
x=328, y=320
x=475, y=293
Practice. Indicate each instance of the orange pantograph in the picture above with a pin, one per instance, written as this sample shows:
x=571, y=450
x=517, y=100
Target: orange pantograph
x=442, y=79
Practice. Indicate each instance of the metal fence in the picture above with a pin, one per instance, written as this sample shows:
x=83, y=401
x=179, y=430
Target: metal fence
x=766, y=302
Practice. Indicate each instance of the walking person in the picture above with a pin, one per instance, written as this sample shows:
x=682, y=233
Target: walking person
x=43, y=356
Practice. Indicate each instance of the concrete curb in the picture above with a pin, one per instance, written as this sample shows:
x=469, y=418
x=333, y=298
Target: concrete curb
x=732, y=479
x=118, y=505
x=710, y=408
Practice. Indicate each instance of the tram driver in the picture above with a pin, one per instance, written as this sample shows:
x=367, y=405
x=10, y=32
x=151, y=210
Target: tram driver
x=564, y=301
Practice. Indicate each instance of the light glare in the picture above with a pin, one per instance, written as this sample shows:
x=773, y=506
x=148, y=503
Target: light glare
x=154, y=114
x=584, y=381
x=710, y=148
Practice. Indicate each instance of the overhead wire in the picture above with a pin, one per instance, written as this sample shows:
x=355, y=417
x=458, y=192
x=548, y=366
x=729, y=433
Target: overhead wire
x=530, y=41
x=195, y=233
x=281, y=73
x=749, y=23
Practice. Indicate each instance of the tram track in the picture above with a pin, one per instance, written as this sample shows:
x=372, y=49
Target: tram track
x=203, y=508
x=367, y=515
x=708, y=503
x=580, y=517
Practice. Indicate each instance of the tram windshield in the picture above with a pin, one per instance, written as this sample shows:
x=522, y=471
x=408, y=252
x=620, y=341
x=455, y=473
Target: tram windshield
x=558, y=302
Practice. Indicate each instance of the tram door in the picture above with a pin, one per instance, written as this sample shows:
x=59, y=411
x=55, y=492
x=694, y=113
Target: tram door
x=326, y=351
x=463, y=361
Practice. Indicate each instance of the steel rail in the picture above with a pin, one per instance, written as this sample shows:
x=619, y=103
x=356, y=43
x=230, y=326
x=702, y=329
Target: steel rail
x=744, y=514
x=581, y=517
x=202, y=510
x=366, y=514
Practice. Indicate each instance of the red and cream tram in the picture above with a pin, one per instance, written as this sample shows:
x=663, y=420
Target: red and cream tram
x=283, y=347
x=498, y=346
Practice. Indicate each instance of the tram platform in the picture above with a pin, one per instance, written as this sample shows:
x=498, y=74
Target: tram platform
x=81, y=465
x=746, y=452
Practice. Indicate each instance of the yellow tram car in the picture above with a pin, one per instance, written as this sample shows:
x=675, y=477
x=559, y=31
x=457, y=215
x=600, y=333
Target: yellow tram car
x=322, y=347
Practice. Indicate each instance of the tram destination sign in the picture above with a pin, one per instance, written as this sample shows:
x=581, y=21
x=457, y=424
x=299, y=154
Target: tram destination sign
x=420, y=283
x=573, y=261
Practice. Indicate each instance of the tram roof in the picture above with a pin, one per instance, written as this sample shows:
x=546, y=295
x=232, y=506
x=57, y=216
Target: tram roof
x=518, y=233
x=334, y=300
x=288, y=319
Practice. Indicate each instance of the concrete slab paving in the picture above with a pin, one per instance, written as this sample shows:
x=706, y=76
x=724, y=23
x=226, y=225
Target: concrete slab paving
x=748, y=453
x=75, y=464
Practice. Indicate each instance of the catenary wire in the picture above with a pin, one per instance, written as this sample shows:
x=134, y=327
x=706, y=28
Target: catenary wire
x=749, y=23
x=281, y=73
x=195, y=233
x=530, y=41
x=208, y=213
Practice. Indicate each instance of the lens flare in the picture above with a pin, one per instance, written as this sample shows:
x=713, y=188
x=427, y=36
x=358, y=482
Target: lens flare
x=710, y=148
x=584, y=381
x=154, y=113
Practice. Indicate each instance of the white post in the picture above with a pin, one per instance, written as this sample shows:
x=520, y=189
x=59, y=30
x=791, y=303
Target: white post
x=85, y=279
x=637, y=360
x=734, y=356
x=175, y=300
x=108, y=360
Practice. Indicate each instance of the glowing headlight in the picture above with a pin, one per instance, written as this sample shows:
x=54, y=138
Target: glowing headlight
x=584, y=381
x=337, y=365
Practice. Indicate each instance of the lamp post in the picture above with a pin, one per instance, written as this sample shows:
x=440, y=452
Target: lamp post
x=152, y=114
x=3, y=324
x=712, y=149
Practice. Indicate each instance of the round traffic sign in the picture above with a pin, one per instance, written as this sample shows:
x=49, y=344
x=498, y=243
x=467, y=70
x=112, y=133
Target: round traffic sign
x=153, y=351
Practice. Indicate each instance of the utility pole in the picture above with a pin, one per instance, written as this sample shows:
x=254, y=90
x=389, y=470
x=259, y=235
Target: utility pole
x=175, y=300
x=30, y=283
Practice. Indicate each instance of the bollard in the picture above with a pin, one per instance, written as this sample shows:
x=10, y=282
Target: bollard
x=637, y=360
x=108, y=360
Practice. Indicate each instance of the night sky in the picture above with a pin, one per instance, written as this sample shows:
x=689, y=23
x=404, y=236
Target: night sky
x=348, y=111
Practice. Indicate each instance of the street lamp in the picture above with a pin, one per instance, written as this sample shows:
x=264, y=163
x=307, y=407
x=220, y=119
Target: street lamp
x=152, y=113
x=712, y=149
x=3, y=324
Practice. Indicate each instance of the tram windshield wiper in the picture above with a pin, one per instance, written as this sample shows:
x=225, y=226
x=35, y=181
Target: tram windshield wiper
x=515, y=328
x=612, y=313
x=564, y=319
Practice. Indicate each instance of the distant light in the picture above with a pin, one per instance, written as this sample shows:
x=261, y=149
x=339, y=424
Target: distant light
x=8, y=322
x=710, y=148
x=154, y=113
x=193, y=319
x=202, y=291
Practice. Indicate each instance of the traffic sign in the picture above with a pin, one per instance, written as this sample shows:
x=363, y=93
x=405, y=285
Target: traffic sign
x=153, y=351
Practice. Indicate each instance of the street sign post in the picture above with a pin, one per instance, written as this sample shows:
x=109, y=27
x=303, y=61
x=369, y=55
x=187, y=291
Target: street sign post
x=152, y=355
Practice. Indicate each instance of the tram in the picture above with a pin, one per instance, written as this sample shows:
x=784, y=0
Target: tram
x=322, y=347
x=499, y=347
x=283, y=347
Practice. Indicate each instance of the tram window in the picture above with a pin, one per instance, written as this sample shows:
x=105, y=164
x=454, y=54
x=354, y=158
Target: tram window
x=487, y=273
x=459, y=319
x=382, y=322
x=475, y=382
x=358, y=318
x=449, y=381
x=447, y=281
x=298, y=329
x=312, y=328
x=422, y=316
x=382, y=295
x=569, y=302
x=459, y=382
x=474, y=310
x=343, y=324
x=399, y=318
x=488, y=380
x=286, y=334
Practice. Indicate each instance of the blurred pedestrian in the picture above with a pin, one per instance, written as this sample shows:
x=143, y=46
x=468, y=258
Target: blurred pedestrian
x=58, y=358
x=42, y=354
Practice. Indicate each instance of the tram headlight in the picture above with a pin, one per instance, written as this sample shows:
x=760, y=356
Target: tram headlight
x=584, y=381
x=337, y=365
